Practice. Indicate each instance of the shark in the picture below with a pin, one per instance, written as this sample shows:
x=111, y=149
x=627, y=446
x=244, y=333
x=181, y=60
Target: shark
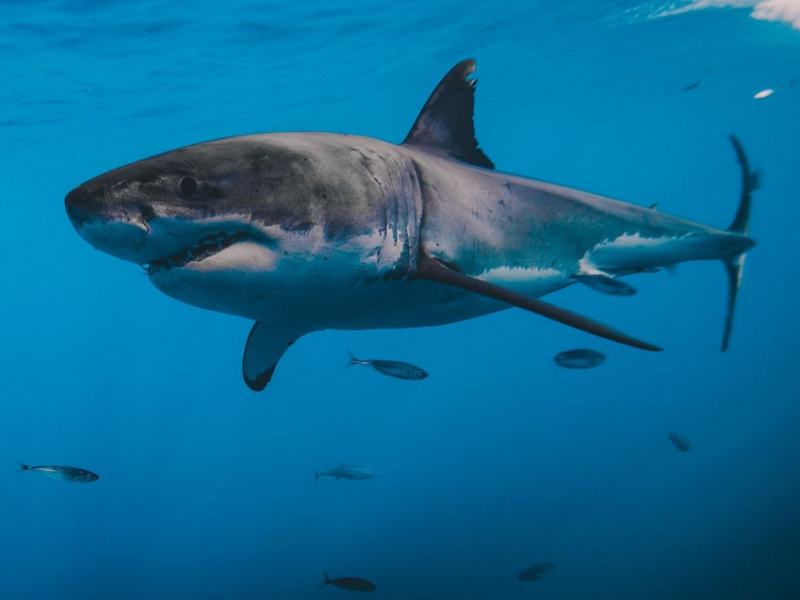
x=305, y=232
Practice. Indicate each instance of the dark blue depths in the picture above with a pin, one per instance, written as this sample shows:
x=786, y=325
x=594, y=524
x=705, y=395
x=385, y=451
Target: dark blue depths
x=500, y=459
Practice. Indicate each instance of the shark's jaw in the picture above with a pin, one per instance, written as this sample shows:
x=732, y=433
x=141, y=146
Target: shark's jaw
x=204, y=262
x=166, y=243
x=226, y=264
x=208, y=246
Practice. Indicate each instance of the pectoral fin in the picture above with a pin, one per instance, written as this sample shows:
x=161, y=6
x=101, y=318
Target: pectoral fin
x=433, y=270
x=265, y=347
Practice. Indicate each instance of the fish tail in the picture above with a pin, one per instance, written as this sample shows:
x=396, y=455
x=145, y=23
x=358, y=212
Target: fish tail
x=316, y=476
x=734, y=265
x=327, y=580
x=22, y=467
x=352, y=360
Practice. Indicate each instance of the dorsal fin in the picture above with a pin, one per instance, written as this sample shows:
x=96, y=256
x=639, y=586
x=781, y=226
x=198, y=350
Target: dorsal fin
x=445, y=123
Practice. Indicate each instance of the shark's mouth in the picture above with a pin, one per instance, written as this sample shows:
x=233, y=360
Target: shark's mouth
x=206, y=247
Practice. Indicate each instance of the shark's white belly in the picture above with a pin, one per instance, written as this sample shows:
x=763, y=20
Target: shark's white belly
x=337, y=287
x=418, y=303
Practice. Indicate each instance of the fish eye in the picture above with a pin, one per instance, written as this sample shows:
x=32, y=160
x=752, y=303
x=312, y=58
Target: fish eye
x=188, y=187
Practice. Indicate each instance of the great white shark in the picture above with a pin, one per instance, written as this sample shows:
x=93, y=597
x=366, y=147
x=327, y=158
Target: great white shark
x=302, y=232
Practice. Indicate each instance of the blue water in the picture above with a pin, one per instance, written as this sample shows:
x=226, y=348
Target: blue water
x=499, y=460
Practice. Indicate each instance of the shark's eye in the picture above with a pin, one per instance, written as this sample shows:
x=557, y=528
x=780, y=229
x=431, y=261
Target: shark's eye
x=188, y=187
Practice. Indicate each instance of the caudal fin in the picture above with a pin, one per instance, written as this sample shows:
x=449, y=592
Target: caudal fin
x=327, y=580
x=741, y=222
x=316, y=476
x=352, y=360
x=734, y=265
x=22, y=467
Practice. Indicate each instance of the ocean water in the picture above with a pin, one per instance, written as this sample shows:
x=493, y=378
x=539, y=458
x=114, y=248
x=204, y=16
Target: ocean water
x=500, y=459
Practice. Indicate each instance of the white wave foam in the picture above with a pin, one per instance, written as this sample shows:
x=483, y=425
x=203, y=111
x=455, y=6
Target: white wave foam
x=786, y=11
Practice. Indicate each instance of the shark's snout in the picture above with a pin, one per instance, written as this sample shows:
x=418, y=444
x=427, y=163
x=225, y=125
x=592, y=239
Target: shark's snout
x=108, y=226
x=98, y=200
x=81, y=204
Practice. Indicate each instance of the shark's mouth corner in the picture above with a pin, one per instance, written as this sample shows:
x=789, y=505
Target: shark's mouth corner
x=205, y=248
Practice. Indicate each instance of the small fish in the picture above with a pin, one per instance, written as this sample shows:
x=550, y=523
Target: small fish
x=605, y=284
x=633, y=271
x=344, y=471
x=764, y=94
x=353, y=584
x=392, y=368
x=536, y=572
x=579, y=359
x=680, y=442
x=73, y=474
x=692, y=86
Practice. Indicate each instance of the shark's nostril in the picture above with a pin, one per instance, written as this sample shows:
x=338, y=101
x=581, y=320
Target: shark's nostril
x=73, y=199
x=84, y=203
x=81, y=198
x=74, y=203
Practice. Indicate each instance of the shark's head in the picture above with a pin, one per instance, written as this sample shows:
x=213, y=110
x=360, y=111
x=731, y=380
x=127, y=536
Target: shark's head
x=170, y=210
x=226, y=223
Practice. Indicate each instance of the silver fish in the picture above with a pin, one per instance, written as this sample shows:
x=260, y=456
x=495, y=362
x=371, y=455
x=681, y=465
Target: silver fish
x=344, y=471
x=353, y=584
x=605, y=284
x=579, y=359
x=392, y=368
x=73, y=474
x=680, y=442
x=536, y=572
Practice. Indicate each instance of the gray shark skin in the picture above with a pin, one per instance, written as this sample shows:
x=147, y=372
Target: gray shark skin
x=303, y=232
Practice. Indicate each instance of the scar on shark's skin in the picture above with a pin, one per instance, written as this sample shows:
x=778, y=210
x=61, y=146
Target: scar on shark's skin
x=302, y=232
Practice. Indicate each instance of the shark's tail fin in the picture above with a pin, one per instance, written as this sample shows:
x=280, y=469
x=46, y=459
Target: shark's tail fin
x=22, y=467
x=327, y=580
x=351, y=360
x=316, y=476
x=734, y=265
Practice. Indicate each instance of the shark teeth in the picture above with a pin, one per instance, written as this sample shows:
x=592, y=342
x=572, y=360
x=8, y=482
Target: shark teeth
x=208, y=246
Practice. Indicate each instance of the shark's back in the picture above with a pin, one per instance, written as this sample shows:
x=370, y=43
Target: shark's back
x=481, y=220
